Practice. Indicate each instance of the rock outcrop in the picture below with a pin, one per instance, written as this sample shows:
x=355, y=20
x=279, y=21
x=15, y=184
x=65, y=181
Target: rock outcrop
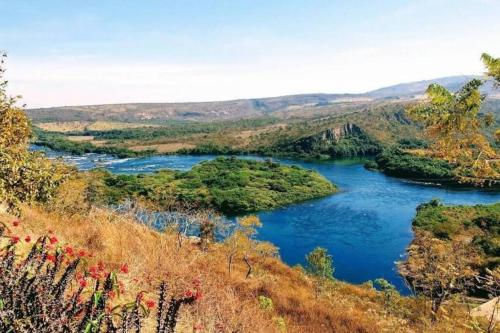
x=328, y=137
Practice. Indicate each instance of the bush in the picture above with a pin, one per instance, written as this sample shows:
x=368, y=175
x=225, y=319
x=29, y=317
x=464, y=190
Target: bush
x=46, y=293
x=319, y=263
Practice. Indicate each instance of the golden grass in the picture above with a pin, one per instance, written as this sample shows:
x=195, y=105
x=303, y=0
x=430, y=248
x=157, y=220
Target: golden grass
x=80, y=138
x=230, y=302
x=79, y=126
x=62, y=127
x=111, y=125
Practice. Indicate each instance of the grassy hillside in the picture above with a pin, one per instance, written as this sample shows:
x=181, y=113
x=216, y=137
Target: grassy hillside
x=229, y=185
x=275, y=298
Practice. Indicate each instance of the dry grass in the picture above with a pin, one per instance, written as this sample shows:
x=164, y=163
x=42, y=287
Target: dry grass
x=111, y=125
x=80, y=138
x=230, y=302
x=79, y=126
x=62, y=127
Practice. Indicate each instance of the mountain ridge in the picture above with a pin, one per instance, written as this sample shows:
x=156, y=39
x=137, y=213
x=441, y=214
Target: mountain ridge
x=237, y=108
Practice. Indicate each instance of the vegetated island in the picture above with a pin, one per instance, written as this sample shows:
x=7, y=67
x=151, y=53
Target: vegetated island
x=227, y=184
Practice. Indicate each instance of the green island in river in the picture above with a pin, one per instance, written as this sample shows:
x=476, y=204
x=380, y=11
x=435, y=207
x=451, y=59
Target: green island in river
x=227, y=184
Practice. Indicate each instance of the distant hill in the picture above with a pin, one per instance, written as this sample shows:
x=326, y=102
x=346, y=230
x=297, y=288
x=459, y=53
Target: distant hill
x=235, y=109
x=452, y=83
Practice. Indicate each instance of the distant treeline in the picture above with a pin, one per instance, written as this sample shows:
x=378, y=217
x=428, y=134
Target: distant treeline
x=174, y=129
x=58, y=142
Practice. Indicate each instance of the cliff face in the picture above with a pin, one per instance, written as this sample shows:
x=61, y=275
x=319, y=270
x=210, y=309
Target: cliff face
x=328, y=137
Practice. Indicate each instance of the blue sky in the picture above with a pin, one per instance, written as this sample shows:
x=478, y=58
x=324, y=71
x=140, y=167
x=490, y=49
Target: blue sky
x=90, y=52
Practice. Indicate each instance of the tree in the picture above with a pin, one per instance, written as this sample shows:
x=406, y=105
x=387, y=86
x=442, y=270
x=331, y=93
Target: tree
x=24, y=176
x=242, y=243
x=492, y=65
x=320, y=263
x=453, y=122
x=438, y=269
x=493, y=70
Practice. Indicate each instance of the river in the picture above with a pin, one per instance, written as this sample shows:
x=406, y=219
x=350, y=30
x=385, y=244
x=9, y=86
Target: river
x=366, y=227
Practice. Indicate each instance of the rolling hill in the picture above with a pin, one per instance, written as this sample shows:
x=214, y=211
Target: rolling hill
x=238, y=109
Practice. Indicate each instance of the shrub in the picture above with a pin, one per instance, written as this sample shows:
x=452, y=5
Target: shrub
x=319, y=263
x=46, y=293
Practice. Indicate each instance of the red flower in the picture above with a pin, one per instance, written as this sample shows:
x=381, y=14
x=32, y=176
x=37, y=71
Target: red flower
x=150, y=304
x=14, y=239
x=51, y=257
x=198, y=295
x=124, y=268
x=100, y=266
x=69, y=250
x=188, y=293
x=111, y=294
x=81, y=253
x=53, y=240
x=16, y=223
x=27, y=239
x=82, y=283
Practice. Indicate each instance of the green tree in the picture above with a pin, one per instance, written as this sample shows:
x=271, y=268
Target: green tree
x=452, y=121
x=492, y=65
x=438, y=269
x=320, y=263
x=493, y=70
x=24, y=176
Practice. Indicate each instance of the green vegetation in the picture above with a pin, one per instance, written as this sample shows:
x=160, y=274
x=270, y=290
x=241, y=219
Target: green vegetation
x=177, y=129
x=60, y=143
x=455, y=251
x=396, y=162
x=481, y=222
x=229, y=185
x=24, y=176
x=320, y=263
x=346, y=146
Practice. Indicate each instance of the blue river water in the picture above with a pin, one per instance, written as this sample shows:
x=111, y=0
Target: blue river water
x=366, y=227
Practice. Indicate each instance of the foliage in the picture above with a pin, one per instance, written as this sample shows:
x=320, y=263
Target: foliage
x=412, y=143
x=492, y=65
x=60, y=143
x=229, y=185
x=452, y=121
x=480, y=223
x=396, y=162
x=390, y=295
x=319, y=263
x=241, y=243
x=46, y=293
x=266, y=303
x=454, y=250
x=438, y=269
x=24, y=176
x=346, y=146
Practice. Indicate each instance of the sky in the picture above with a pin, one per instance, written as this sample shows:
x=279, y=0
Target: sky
x=108, y=51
